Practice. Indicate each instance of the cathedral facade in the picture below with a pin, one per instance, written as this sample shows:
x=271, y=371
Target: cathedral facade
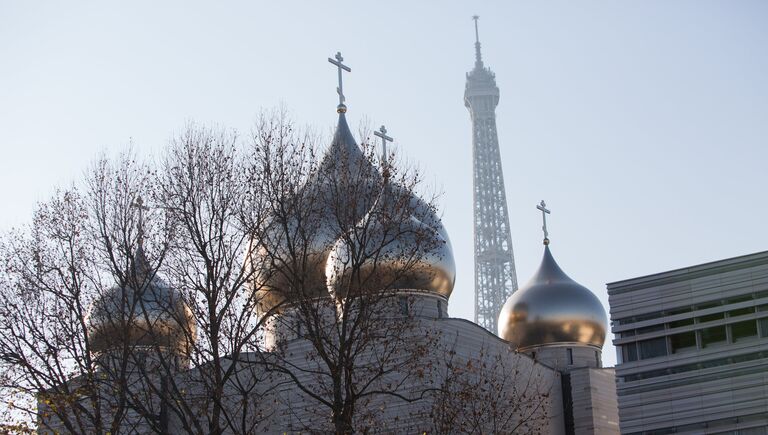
x=416, y=369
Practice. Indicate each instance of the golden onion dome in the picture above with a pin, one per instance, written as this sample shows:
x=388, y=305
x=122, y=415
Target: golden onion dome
x=400, y=245
x=155, y=315
x=334, y=199
x=552, y=309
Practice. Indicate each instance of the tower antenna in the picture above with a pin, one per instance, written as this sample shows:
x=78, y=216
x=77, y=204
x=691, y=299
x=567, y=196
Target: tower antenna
x=478, y=56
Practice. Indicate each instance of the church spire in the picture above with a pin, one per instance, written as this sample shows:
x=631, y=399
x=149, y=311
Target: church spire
x=343, y=142
x=478, y=55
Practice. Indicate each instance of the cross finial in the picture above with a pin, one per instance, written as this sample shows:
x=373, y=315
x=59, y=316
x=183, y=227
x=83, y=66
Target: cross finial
x=382, y=133
x=139, y=204
x=544, y=212
x=340, y=89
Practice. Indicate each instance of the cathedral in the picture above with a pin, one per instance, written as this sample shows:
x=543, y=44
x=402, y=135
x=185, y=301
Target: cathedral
x=369, y=348
x=541, y=374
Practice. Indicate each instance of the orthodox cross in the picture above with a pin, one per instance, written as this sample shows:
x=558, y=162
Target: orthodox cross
x=382, y=133
x=544, y=213
x=139, y=204
x=340, y=66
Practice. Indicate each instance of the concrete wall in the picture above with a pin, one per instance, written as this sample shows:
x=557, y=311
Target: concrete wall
x=595, y=409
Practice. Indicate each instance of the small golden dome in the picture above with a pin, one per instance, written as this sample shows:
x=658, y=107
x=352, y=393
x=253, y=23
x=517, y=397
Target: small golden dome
x=405, y=245
x=552, y=308
x=156, y=315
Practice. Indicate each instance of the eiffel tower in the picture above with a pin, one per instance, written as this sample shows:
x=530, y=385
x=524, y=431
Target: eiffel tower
x=495, y=276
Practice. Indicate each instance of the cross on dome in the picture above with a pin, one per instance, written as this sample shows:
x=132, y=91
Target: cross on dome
x=544, y=212
x=139, y=204
x=382, y=133
x=340, y=89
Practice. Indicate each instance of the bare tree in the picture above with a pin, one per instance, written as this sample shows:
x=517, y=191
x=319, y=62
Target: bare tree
x=94, y=340
x=52, y=274
x=205, y=189
x=495, y=391
x=254, y=281
x=340, y=225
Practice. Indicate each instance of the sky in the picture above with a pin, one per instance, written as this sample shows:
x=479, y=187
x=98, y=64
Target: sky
x=643, y=124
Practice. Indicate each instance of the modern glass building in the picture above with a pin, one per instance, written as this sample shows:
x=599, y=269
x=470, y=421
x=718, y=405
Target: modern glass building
x=692, y=348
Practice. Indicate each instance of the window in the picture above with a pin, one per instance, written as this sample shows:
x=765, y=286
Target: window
x=624, y=334
x=711, y=317
x=679, y=311
x=706, y=305
x=683, y=342
x=653, y=348
x=629, y=352
x=403, y=301
x=741, y=311
x=652, y=328
x=649, y=316
x=439, y=309
x=697, y=366
x=712, y=336
x=597, y=359
x=742, y=331
x=682, y=322
x=570, y=356
x=763, y=327
x=737, y=299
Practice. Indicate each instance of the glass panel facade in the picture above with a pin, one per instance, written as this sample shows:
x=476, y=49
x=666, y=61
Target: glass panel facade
x=682, y=322
x=713, y=336
x=653, y=348
x=683, y=342
x=744, y=331
x=763, y=327
x=629, y=352
x=652, y=328
x=741, y=311
x=711, y=317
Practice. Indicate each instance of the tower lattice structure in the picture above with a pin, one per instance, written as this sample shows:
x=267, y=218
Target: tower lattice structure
x=495, y=276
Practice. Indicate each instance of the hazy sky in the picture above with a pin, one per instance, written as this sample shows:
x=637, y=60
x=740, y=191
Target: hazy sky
x=643, y=124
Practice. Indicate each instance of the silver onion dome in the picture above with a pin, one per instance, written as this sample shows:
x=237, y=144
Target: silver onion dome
x=334, y=199
x=552, y=308
x=400, y=244
x=153, y=315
